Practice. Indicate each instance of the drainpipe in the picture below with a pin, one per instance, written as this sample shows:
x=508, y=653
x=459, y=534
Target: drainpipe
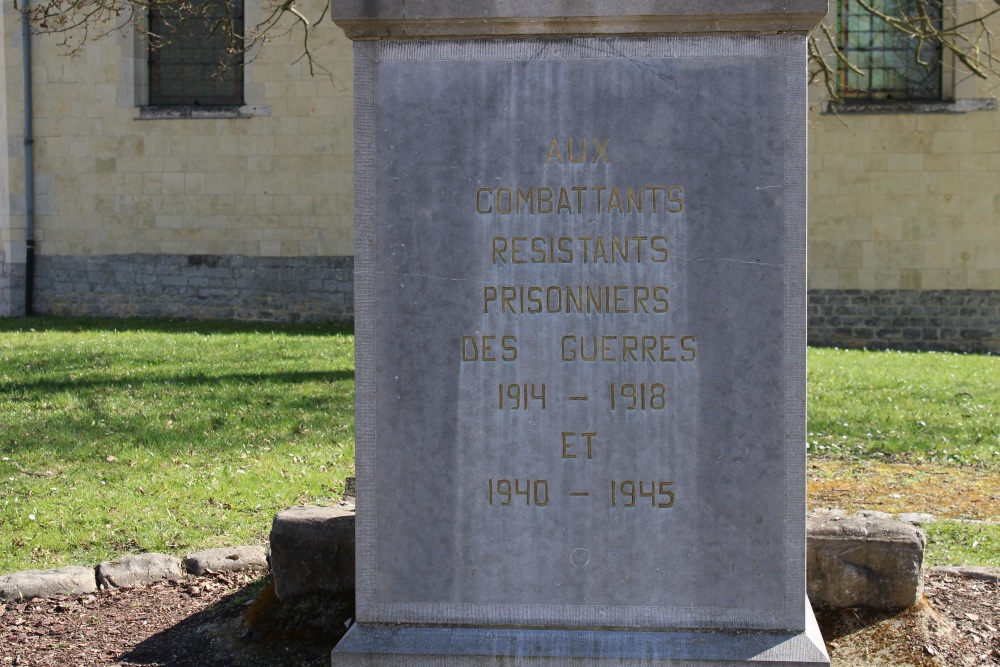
x=29, y=169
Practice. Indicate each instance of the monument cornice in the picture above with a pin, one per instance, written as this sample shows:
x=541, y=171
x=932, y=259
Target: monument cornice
x=477, y=19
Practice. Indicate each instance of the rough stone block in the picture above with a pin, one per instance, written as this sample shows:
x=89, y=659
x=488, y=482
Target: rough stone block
x=46, y=583
x=312, y=549
x=138, y=570
x=229, y=559
x=857, y=561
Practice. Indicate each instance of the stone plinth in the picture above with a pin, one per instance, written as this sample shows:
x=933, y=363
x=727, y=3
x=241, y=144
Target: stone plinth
x=580, y=302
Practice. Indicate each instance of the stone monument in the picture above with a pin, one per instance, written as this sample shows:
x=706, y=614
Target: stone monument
x=580, y=302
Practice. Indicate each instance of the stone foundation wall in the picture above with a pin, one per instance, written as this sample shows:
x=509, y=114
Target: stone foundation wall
x=219, y=287
x=955, y=320
x=11, y=288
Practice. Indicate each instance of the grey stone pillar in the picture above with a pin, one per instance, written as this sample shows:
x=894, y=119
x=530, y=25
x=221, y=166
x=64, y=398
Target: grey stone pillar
x=580, y=309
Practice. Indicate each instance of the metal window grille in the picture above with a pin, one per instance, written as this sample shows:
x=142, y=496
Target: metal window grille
x=195, y=64
x=892, y=64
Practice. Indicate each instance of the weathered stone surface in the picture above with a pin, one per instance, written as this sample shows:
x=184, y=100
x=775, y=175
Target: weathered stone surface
x=46, y=583
x=228, y=559
x=990, y=574
x=312, y=549
x=491, y=306
x=138, y=570
x=386, y=19
x=857, y=561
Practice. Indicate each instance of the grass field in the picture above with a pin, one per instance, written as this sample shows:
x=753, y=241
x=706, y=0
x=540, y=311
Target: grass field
x=914, y=407
x=121, y=436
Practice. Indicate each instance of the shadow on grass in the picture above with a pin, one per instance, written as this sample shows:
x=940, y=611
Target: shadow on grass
x=202, y=327
x=244, y=630
x=49, y=386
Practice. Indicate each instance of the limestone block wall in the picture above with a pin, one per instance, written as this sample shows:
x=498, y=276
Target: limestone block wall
x=139, y=197
x=11, y=168
x=904, y=222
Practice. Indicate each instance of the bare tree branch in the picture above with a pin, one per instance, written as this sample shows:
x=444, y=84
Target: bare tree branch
x=970, y=41
x=80, y=21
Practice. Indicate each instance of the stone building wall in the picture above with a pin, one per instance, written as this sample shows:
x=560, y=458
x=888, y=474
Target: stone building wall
x=956, y=320
x=132, y=193
x=904, y=221
x=221, y=287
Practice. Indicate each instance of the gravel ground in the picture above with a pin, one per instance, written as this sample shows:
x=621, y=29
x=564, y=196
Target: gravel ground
x=235, y=621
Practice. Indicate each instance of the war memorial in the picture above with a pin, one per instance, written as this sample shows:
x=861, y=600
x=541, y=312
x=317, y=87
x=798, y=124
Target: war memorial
x=581, y=332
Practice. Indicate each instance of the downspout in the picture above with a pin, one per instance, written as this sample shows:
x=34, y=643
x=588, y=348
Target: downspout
x=29, y=169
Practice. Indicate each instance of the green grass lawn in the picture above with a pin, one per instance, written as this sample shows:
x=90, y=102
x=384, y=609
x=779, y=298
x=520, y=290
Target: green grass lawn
x=129, y=435
x=121, y=436
x=916, y=407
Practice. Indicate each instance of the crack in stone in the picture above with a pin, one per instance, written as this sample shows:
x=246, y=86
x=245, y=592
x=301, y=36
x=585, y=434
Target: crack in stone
x=726, y=259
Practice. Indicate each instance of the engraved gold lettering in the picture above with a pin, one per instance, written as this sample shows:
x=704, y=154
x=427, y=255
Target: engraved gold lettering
x=619, y=248
x=565, y=250
x=579, y=199
x=499, y=249
x=600, y=149
x=641, y=296
x=563, y=201
x=688, y=344
x=558, y=299
x=509, y=345
x=538, y=250
x=568, y=348
x=607, y=348
x=565, y=299
x=658, y=244
x=675, y=197
x=503, y=492
x=621, y=298
x=665, y=347
x=517, y=244
x=634, y=199
x=615, y=200
x=481, y=348
x=508, y=299
x=660, y=297
x=489, y=296
x=487, y=348
x=599, y=189
x=544, y=200
x=568, y=443
x=583, y=151
x=528, y=198
x=500, y=193
x=553, y=152
x=629, y=346
x=639, y=242
x=631, y=493
x=654, y=188
x=479, y=200
x=469, y=350
x=534, y=299
x=574, y=300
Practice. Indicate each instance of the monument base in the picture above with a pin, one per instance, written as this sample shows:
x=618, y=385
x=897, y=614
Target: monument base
x=420, y=646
